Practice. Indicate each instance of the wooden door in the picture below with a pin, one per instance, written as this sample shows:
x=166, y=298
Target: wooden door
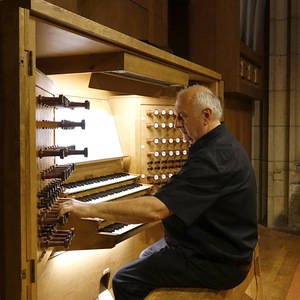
x=238, y=120
x=17, y=214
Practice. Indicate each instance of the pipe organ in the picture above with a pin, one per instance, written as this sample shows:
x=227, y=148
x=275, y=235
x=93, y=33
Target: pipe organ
x=87, y=138
x=66, y=171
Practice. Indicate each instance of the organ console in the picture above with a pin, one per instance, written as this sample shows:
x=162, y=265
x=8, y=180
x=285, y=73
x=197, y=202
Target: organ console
x=99, y=179
x=158, y=153
x=73, y=135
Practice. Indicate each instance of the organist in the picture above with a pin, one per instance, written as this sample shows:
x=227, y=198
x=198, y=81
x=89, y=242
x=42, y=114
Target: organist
x=208, y=209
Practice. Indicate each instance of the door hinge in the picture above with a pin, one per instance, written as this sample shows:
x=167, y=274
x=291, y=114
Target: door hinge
x=31, y=271
x=23, y=274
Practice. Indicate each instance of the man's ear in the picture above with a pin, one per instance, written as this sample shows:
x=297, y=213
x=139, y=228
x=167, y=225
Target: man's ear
x=207, y=112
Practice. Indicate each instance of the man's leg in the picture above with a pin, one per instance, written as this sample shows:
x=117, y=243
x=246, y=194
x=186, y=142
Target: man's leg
x=170, y=267
x=156, y=247
x=136, y=280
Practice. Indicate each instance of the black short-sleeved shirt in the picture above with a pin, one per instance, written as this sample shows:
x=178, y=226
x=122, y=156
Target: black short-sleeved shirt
x=213, y=198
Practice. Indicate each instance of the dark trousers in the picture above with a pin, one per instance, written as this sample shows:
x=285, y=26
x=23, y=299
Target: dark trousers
x=172, y=267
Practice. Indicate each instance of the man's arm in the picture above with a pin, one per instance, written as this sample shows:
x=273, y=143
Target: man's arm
x=138, y=210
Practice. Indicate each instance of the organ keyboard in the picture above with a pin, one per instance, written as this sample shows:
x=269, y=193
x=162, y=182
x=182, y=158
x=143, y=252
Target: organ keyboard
x=90, y=234
x=115, y=193
x=83, y=185
x=95, y=233
x=117, y=228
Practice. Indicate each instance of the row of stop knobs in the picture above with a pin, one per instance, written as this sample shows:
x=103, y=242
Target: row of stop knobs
x=50, y=236
x=164, y=153
x=49, y=199
x=164, y=140
x=160, y=113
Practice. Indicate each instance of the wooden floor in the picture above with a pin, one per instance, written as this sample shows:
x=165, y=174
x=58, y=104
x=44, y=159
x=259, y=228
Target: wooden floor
x=280, y=256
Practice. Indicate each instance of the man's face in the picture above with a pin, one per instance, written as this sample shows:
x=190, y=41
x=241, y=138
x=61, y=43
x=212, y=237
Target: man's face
x=188, y=119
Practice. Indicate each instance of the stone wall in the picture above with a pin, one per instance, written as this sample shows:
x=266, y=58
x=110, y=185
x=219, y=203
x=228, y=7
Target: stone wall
x=283, y=187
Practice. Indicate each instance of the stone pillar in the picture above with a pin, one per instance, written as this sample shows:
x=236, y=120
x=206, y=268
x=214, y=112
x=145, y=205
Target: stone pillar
x=284, y=112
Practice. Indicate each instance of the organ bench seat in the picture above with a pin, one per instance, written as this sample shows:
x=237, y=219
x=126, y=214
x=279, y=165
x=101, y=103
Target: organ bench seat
x=249, y=289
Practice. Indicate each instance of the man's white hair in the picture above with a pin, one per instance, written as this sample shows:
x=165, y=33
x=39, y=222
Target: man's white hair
x=204, y=98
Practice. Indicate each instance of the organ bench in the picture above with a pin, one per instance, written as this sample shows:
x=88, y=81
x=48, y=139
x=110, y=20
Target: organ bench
x=249, y=289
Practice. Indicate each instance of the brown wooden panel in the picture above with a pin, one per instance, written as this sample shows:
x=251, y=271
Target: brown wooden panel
x=10, y=248
x=238, y=120
x=215, y=42
x=77, y=274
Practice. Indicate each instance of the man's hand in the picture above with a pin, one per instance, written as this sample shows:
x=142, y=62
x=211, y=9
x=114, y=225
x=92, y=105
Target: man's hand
x=73, y=206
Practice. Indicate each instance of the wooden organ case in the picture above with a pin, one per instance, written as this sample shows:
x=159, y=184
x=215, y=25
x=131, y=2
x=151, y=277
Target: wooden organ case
x=73, y=83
